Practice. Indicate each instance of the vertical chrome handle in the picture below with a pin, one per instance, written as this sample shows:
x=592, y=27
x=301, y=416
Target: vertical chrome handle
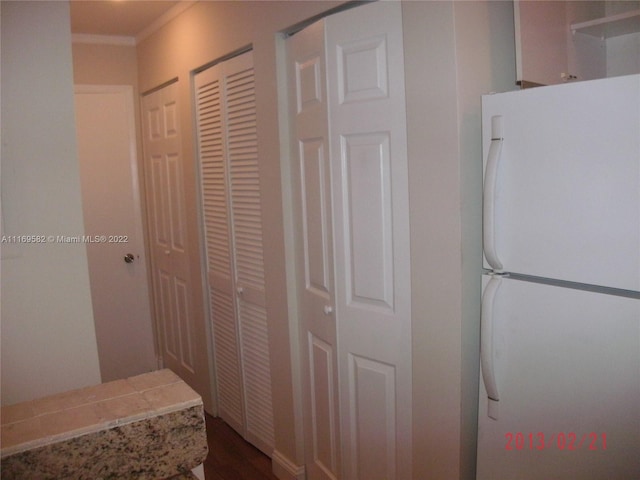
x=489, y=194
x=486, y=345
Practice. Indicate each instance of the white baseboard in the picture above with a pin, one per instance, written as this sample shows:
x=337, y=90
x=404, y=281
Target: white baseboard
x=285, y=469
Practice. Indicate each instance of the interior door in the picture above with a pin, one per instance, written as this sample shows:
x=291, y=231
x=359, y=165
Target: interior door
x=217, y=236
x=315, y=277
x=183, y=339
x=232, y=217
x=113, y=221
x=367, y=127
x=248, y=255
x=353, y=234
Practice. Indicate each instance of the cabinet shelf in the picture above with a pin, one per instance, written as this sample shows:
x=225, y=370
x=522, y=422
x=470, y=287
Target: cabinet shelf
x=610, y=26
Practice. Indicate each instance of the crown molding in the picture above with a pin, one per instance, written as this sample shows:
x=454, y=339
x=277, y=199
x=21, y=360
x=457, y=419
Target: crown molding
x=164, y=19
x=125, y=41
x=103, y=39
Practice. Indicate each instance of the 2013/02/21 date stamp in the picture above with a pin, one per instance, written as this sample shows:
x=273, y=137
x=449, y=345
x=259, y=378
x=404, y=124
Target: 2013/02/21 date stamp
x=562, y=441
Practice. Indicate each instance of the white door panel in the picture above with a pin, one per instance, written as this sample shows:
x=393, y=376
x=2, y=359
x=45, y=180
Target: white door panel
x=567, y=374
x=350, y=183
x=170, y=261
x=111, y=204
x=312, y=192
x=371, y=236
x=567, y=196
x=182, y=339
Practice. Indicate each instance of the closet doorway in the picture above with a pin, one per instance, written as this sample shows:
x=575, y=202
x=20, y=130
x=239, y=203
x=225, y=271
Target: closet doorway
x=349, y=172
x=182, y=335
x=232, y=223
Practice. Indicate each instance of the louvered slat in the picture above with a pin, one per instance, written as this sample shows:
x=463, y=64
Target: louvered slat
x=245, y=180
x=210, y=144
x=257, y=373
x=226, y=353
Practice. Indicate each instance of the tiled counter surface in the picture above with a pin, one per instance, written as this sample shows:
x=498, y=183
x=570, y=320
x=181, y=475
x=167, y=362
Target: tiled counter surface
x=146, y=427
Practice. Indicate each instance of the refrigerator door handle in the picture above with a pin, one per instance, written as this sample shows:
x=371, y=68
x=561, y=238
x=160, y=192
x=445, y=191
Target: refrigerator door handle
x=489, y=193
x=486, y=345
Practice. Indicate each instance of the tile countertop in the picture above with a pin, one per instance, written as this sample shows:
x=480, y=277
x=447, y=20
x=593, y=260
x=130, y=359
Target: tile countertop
x=146, y=427
x=28, y=425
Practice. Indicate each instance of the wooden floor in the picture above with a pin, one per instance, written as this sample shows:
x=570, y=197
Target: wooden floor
x=231, y=458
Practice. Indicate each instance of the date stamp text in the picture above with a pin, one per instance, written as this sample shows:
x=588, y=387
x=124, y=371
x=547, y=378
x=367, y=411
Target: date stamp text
x=561, y=441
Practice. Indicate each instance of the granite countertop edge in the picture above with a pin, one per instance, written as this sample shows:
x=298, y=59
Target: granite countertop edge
x=71, y=434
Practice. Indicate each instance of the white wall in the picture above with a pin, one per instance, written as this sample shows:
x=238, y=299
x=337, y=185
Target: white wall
x=48, y=336
x=99, y=64
x=454, y=53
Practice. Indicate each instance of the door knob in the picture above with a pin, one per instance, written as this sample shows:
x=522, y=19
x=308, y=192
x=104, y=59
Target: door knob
x=328, y=309
x=129, y=258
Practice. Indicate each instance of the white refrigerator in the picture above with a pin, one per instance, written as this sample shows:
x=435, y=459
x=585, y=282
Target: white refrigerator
x=560, y=326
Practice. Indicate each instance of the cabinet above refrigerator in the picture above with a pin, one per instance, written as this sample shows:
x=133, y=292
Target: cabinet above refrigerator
x=567, y=41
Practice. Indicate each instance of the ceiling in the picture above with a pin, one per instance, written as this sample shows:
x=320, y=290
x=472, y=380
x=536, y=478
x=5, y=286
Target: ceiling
x=116, y=17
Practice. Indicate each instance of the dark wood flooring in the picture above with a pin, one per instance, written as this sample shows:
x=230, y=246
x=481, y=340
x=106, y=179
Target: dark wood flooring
x=231, y=458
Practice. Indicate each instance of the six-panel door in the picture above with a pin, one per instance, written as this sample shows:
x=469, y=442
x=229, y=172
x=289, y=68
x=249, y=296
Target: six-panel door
x=350, y=175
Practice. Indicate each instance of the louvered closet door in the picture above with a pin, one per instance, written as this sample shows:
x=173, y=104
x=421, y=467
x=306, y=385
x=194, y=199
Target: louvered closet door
x=213, y=176
x=235, y=265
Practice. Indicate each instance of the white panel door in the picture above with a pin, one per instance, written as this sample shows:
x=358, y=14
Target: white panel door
x=183, y=339
x=113, y=219
x=368, y=151
x=351, y=179
x=566, y=195
x=566, y=365
x=312, y=192
x=225, y=97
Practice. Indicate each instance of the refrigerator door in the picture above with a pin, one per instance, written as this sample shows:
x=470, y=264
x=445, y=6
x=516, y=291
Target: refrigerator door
x=562, y=182
x=566, y=365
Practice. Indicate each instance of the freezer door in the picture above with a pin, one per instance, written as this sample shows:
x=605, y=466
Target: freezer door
x=562, y=182
x=566, y=365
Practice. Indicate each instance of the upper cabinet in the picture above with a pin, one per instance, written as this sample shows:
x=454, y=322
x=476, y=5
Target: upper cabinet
x=562, y=41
